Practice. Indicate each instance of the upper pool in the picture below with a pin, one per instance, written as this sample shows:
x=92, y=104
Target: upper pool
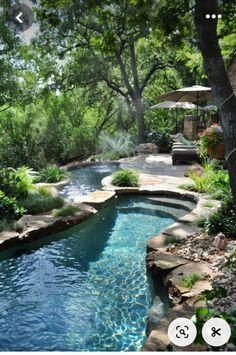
x=87, y=179
x=86, y=288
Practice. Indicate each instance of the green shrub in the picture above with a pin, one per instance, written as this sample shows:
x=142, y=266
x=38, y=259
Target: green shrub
x=204, y=182
x=190, y=280
x=68, y=210
x=9, y=208
x=24, y=180
x=202, y=314
x=126, y=178
x=44, y=191
x=35, y=203
x=3, y=225
x=223, y=220
x=213, y=180
x=200, y=222
x=8, y=181
x=50, y=174
x=16, y=182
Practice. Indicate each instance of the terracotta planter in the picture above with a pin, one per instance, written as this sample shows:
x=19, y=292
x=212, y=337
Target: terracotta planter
x=217, y=152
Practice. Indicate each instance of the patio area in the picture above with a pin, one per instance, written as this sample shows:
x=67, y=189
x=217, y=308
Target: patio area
x=156, y=170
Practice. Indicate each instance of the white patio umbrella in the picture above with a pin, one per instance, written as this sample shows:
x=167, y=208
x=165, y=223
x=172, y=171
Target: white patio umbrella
x=195, y=93
x=176, y=105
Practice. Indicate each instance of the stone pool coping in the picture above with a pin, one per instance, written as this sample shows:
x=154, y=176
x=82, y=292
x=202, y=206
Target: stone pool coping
x=36, y=227
x=57, y=185
x=75, y=165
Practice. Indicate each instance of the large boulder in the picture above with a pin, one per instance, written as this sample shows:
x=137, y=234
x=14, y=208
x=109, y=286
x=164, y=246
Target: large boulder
x=146, y=148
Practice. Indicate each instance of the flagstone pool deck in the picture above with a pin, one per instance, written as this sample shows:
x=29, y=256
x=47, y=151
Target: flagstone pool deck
x=157, y=170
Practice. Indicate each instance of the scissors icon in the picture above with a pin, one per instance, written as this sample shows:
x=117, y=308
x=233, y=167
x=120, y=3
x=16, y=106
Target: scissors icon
x=215, y=331
x=182, y=332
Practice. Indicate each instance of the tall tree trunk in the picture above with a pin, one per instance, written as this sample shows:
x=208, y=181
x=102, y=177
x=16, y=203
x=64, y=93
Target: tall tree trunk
x=219, y=81
x=140, y=117
x=134, y=93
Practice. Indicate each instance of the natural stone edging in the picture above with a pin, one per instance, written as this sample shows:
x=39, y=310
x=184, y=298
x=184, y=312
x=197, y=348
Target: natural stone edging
x=158, y=339
x=97, y=199
x=172, y=269
x=42, y=225
x=76, y=165
x=58, y=185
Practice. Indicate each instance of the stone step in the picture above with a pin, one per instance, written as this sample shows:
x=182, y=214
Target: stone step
x=158, y=209
x=186, y=204
x=146, y=210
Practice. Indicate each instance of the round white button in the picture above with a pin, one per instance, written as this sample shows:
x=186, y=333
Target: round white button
x=182, y=332
x=216, y=332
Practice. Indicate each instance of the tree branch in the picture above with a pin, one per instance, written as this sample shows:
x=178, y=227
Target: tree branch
x=113, y=86
x=152, y=70
x=124, y=74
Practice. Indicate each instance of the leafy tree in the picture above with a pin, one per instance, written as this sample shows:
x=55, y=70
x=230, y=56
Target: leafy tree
x=116, y=42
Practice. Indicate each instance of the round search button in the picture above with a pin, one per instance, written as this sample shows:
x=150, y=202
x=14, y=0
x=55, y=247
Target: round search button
x=182, y=332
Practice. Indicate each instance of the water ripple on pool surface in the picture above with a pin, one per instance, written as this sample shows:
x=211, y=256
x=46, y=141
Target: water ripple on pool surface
x=85, y=290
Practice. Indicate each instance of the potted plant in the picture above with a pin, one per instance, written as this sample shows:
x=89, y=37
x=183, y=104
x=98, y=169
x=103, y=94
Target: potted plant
x=212, y=141
x=163, y=141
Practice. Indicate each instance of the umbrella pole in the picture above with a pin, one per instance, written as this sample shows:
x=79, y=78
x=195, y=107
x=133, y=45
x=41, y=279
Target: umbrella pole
x=176, y=121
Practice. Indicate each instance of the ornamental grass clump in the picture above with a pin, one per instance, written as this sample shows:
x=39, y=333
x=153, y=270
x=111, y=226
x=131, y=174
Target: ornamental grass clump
x=69, y=210
x=126, y=178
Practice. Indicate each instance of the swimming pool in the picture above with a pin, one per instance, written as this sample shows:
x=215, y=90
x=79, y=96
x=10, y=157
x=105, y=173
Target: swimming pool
x=86, y=179
x=86, y=288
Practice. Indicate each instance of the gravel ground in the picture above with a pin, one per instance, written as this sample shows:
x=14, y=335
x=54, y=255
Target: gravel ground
x=214, y=252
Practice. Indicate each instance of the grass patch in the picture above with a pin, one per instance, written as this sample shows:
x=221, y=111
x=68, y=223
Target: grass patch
x=170, y=239
x=68, y=210
x=126, y=178
x=35, y=203
x=208, y=205
x=189, y=187
x=191, y=279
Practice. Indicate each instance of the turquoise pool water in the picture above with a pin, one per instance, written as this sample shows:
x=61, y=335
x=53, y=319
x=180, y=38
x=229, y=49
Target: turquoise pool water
x=87, y=179
x=83, y=289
